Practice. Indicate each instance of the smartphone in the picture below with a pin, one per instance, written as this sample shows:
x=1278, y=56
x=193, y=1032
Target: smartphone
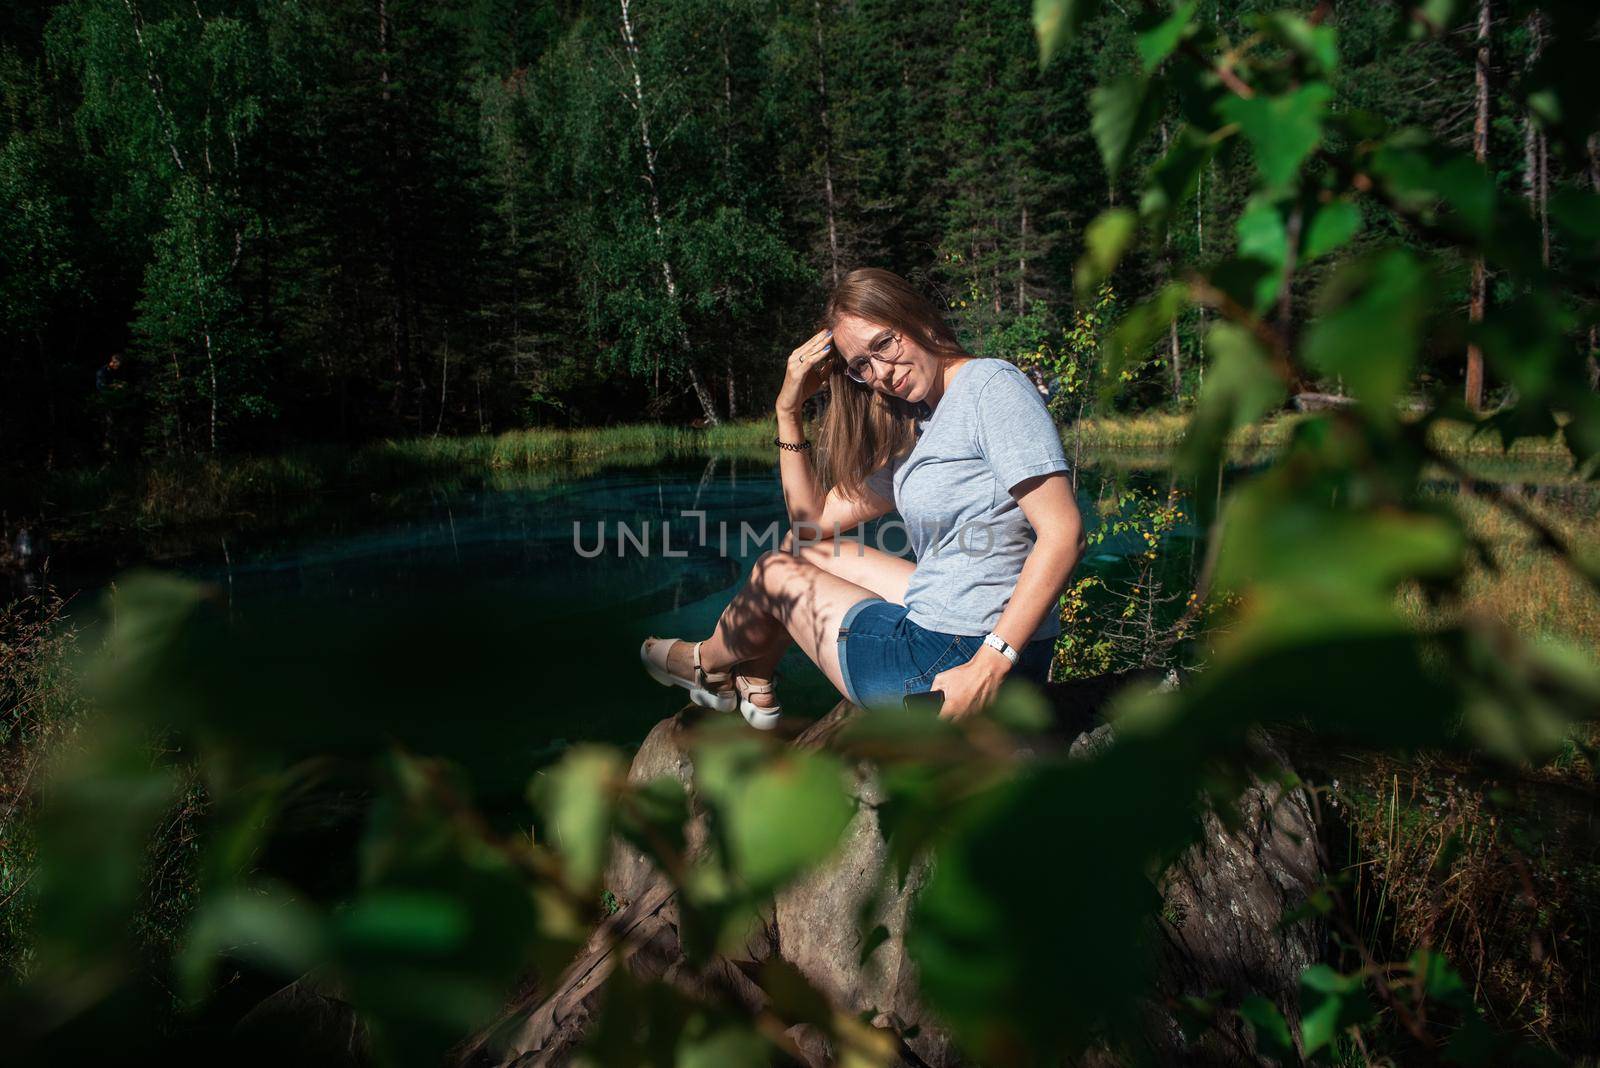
x=929, y=702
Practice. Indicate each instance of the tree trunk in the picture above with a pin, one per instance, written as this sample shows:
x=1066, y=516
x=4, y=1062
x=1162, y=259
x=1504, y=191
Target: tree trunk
x=996, y=224
x=727, y=111
x=197, y=273
x=1176, y=354
x=1480, y=151
x=1536, y=149
x=444, y=380
x=1200, y=254
x=1022, y=264
x=701, y=394
x=1594, y=332
x=827, y=144
x=399, y=331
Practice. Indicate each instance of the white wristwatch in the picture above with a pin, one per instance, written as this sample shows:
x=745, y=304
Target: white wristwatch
x=1000, y=645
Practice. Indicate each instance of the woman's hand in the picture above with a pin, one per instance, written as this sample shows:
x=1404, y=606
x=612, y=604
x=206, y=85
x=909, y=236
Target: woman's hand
x=969, y=687
x=806, y=371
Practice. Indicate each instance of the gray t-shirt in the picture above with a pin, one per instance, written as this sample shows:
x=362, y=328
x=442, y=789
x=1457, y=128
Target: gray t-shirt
x=989, y=431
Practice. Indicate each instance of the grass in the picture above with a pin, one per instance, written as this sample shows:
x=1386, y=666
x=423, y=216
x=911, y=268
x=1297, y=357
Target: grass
x=213, y=489
x=1495, y=873
x=1165, y=430
x=40, y=706
x=209, y=490
x=1493, y=866
x=1520, y=584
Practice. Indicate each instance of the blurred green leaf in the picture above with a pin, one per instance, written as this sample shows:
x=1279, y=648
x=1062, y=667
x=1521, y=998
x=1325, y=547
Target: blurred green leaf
x=794, y=997
x=1240, y=387
x=1317, y=45
x=1104, y=242
x=1283, y=129
x=1056, y=21
x=655, y=817
x=406, y=921
x=1263, y=236
x=780, y=814
x=579, y=796
x=1329, y=1003
x=1360, y=554
x=1421, y=175
x=1021, y=707
x=1330, y=227
x=99, y=806
x=1433, y=16
x=731, y=1045
x=1157, y=42
x=1369, y=325
x=1175, y=177
x=1129, y=342
x=262, y=926
x=1122, y=112
x=1270, y=1028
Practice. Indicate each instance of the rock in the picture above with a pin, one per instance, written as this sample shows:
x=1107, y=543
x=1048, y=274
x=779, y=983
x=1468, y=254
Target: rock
x=544, y=1028
x=1223, y=901
x=1321, y=402
x=661, y=753
x=1222, y=904
x=818, y=933
x=629, y=874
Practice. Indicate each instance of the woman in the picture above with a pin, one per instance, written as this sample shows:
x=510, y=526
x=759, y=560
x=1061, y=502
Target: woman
x=966, y=450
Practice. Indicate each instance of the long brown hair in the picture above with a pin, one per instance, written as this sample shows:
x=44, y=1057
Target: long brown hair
x=863, y=429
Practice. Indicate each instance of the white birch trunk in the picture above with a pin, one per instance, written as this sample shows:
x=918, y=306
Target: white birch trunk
x=700, y=391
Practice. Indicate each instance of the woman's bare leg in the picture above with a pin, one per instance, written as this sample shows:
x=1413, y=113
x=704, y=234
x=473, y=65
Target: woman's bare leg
x=873, y=569
x=801, y=597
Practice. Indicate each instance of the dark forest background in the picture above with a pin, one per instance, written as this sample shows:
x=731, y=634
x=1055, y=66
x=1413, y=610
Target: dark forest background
x=342, y=219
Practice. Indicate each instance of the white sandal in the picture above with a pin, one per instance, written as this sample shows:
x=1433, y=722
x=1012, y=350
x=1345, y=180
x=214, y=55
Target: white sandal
x=761, y=717
x=706, y=689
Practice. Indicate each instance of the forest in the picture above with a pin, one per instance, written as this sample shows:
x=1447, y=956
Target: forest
x=313, y=222
x=325, y=325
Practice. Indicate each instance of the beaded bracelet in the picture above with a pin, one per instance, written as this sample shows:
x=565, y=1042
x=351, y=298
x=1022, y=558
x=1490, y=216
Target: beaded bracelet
x=791, y=446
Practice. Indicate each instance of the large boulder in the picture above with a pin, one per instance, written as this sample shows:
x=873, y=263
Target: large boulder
x=1220, y=927
x=1221, y=923
x=817, y=918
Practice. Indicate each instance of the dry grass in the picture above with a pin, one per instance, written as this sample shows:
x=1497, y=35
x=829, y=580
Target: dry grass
x=209, y=490
x=1164, y=430
x=204, y=490
x=1496, y=874
x=1522, y=585
x=1496, y=868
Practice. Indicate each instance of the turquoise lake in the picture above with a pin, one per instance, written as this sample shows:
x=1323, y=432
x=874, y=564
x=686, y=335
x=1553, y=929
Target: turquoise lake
x=436, y=555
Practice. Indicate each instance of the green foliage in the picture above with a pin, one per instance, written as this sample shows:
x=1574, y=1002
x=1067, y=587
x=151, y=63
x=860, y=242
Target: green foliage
x=1070, y=365
x=444, y=911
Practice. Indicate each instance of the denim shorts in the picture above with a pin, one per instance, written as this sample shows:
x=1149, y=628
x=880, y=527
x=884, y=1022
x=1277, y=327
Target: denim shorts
x=883, y=655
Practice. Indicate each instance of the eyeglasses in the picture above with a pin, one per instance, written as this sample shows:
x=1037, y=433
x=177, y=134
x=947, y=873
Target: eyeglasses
x=885, y=349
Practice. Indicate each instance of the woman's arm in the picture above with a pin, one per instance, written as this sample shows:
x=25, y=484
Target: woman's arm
x=802, y=490
x=1051, y=508
x=814, y=514
x=1048, y=502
